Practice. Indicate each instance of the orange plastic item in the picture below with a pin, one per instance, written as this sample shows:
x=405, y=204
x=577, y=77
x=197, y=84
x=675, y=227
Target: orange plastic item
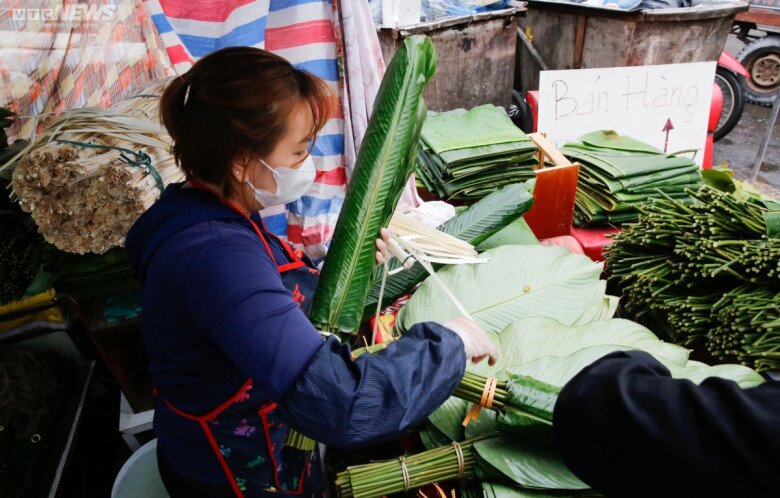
x=556, y=187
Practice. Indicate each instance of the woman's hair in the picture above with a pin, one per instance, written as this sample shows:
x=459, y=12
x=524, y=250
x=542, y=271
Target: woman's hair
x=236, y=101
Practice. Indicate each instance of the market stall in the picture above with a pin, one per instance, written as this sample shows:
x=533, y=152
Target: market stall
x=481, y=215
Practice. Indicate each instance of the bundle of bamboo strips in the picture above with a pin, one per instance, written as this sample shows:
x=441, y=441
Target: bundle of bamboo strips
x=433, y=245
x=92, y=172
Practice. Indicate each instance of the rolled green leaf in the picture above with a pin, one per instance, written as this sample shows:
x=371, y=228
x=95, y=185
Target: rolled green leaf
x=532, y=398
x=384, y=163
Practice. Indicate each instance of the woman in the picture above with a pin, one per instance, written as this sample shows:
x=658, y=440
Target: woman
x=232, y=355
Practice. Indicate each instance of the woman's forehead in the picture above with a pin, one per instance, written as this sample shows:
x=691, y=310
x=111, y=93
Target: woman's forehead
x=301, y=123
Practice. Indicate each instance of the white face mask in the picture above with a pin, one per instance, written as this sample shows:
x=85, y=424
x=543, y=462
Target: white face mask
x=291, y=183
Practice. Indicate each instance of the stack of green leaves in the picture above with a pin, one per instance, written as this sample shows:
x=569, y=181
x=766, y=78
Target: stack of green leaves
x=519, y=282
x=465, y=155
x=619, y=174
x=708, y=271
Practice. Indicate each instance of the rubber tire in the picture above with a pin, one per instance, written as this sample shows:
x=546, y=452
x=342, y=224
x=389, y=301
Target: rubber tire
x=766, y=44
x=739, y=102
x=525, y=118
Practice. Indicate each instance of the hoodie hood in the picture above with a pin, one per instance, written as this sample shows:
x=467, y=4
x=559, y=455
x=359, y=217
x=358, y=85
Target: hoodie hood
x=176, y=210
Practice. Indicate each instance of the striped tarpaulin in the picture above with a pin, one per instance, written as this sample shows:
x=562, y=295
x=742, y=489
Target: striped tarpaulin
x=55, y=57
x=301, y=31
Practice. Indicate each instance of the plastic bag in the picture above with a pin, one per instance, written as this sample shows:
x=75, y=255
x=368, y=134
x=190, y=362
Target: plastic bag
x=433, y=10
x=376, y=11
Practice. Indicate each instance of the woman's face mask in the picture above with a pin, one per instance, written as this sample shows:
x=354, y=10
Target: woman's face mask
x=291, y=183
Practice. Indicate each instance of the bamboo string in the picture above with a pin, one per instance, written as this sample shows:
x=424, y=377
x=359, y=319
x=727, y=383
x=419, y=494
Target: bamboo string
x=405, y=471
x=461, y=460
x=488, y=395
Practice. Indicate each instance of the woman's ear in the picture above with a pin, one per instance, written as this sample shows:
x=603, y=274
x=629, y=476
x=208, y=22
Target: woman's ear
x=239, y=167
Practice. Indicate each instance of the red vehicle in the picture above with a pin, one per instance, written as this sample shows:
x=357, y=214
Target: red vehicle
x=759, y=29
x=731, y=77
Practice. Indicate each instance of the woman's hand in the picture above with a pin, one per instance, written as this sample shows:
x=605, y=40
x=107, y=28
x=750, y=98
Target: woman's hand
x=381, y=245
x=476, y=343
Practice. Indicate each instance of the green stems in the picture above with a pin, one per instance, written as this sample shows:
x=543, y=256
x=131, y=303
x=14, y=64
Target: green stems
x=472, y=387
x=409, y=472
x=706, y=270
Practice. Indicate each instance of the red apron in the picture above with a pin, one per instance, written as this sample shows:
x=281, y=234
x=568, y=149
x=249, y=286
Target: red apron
x=245, y=434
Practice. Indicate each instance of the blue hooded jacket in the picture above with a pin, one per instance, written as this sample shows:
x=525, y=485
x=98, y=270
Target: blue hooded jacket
x=215, y=312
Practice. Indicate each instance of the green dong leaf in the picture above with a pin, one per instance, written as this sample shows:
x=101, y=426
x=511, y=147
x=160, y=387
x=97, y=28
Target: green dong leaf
x=517, y=282
x=384, y=163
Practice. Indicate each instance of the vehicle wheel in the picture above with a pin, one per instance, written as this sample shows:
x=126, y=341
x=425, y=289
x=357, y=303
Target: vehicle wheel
x=521, y=115
x=762, y=60
x=733, y=102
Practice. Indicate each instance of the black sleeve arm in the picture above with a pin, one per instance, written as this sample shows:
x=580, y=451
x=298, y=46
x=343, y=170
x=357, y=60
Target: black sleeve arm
x=347, y=404
x=626, y=428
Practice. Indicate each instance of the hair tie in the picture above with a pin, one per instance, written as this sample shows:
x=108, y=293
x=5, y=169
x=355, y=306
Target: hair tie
x=187, y=83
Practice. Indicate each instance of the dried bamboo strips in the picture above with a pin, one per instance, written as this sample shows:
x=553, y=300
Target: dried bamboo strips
x=84, y=196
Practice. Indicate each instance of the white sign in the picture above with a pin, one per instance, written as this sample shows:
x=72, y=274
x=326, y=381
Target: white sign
x=665, y=106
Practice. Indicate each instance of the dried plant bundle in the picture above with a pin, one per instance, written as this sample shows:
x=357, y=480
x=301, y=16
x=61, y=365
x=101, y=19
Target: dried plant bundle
x=92, y=172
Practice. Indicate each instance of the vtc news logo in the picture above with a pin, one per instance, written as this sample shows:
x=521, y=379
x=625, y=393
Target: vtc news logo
x=72, y=13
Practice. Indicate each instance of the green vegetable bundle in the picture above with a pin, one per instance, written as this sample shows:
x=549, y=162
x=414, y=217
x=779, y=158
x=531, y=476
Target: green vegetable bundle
x=706, y=271
x=384, y=163
x=748, y=326
x=468, y=154
x=405, y=473
x=521, y=400
x=619, y=174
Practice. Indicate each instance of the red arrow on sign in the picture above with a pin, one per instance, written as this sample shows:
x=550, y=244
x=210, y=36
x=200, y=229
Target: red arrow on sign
x=667, y=128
